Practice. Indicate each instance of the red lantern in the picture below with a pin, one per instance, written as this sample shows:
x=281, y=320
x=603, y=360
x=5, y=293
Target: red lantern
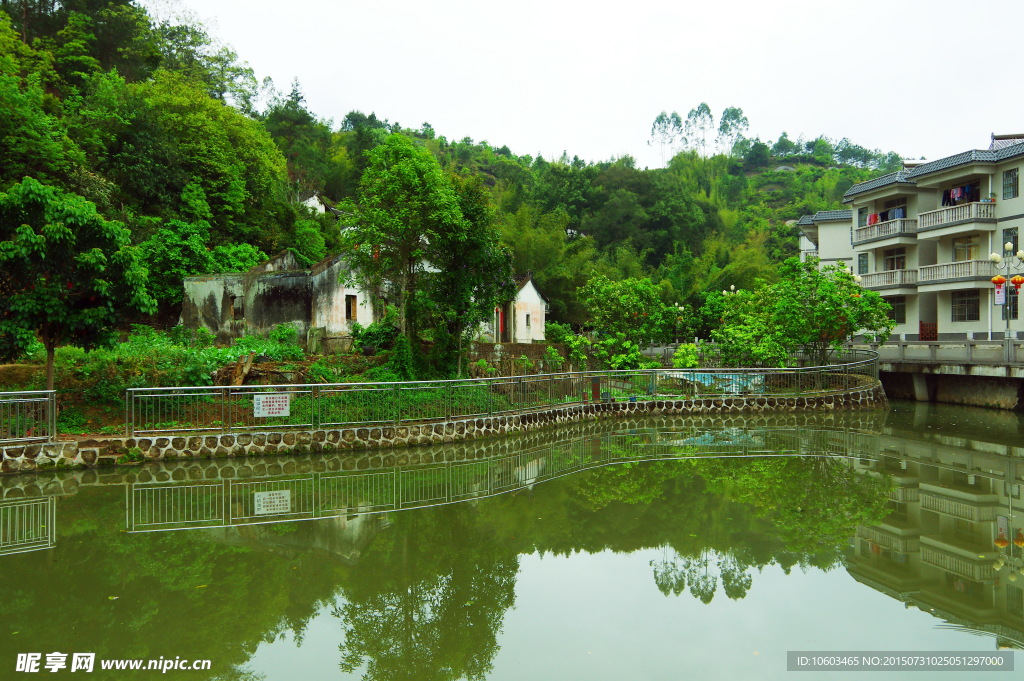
x=1018, y=541
x=1001, y=541
x=1017, y=281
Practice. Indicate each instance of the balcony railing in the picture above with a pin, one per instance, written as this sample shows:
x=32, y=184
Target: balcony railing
x=889, y=541
x=956, y=564
x=890, y=278
x=967, y=211
x=904, y=494
x=964, y=510
x=898, y=227
x=966, y=269
x=804, y=255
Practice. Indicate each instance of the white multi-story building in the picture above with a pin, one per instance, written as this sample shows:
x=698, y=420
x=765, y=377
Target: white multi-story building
x=921, y=237
x=826, y=235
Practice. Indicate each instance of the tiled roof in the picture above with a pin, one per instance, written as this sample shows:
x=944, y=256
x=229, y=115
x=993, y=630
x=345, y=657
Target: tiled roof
x=829, y=215
x=973, y=156
x=805, y=221
x=899, y=177
x=963, y=158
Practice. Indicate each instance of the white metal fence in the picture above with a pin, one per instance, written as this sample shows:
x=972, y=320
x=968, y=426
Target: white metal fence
x=28, y=416
x=217, y=409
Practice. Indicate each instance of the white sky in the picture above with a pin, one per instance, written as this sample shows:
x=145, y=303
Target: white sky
x=928, y=78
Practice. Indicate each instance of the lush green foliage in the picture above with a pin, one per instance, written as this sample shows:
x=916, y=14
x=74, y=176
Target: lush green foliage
x=155, y=122
x=808, y=309
x=685, y=357
x=69, y=276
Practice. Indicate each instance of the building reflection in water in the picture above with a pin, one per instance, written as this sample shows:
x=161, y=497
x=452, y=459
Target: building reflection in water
x=954, y=502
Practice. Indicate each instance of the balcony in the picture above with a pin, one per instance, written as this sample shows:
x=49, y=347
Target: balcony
x=890, y=541
x=905, y=494
x=957, y=508
x=956, y=215
x=890, y=279
x=885, y=230
x=957, y=564
x=965, y=270
x=804, y=255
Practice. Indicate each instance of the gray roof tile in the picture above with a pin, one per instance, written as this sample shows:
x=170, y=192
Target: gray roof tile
x=1002, y=153
x=830, y=215
x=805, y=220
x=899, y=177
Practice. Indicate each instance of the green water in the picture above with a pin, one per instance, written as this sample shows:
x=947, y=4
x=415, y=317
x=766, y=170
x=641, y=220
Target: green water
x=686, y=550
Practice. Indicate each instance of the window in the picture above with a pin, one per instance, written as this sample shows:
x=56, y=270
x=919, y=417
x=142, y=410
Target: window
x=1010, y=235
x=1014, y=600
x=1011, y=186
x=527, y=321
x=350, y=307
x=1011, y=302
x=895, y=259
x=966, y=306
x=966, y=248
x=862, y=263
x=862, y=217
x=899, y=308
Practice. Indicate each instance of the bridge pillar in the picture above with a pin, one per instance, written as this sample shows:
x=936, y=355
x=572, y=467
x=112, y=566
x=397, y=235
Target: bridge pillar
x=920, y=387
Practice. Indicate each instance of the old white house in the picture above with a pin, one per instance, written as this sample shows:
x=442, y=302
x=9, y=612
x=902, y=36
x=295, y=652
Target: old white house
x=522, y=320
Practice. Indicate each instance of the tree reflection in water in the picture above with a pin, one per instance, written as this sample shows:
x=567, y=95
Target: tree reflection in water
x=423, y=595
x=428, y=599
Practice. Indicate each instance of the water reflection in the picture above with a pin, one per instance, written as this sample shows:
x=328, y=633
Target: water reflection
x=418, y=565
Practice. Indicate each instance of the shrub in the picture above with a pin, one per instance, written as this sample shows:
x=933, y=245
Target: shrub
x=556, y=333
x=380, y=334
x=553, y=359
x=685, y=357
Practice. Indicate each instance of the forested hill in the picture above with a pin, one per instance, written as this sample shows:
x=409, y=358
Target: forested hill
x=169, y=132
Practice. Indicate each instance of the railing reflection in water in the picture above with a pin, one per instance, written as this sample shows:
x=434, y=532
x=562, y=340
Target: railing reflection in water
x=194, y=505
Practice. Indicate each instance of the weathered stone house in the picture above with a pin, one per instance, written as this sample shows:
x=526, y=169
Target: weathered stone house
x=278, y=291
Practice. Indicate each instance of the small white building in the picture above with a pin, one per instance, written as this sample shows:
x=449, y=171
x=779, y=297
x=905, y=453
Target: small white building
x=522, y=320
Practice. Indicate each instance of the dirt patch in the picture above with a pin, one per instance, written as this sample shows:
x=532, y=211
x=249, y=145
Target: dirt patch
x=18, y=375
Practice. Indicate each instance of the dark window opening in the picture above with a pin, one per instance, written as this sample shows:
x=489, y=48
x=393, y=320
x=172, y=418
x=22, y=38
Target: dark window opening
x=966, y=306
x=350, y=307
x=899, y=308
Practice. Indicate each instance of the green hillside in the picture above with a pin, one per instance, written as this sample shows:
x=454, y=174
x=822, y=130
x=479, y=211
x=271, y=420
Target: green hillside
x=168, y=132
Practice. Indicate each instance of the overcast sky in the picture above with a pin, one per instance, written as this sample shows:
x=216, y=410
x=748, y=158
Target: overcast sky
x=923, y=78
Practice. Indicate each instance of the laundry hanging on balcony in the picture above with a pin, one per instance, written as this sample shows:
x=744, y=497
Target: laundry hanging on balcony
x=967, y=193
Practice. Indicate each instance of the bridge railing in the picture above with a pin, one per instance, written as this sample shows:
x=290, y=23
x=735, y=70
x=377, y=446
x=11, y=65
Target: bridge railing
x=963, y=350
x=28, y=416
x=226, y=409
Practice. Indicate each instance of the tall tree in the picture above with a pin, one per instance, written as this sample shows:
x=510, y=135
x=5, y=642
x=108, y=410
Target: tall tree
x=475, y=270
x=665, y=131
x=731, y=127
x=406, y=204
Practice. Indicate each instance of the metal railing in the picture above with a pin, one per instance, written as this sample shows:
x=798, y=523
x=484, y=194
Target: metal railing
x=27, y=525
x=28, y=416
x=897, y=227
x=222, y=409
x=966, y=211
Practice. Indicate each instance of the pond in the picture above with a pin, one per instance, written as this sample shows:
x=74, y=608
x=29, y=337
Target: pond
x=653, y=550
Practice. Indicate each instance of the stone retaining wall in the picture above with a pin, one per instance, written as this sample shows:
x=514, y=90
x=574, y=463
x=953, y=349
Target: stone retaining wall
x=108, y=452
